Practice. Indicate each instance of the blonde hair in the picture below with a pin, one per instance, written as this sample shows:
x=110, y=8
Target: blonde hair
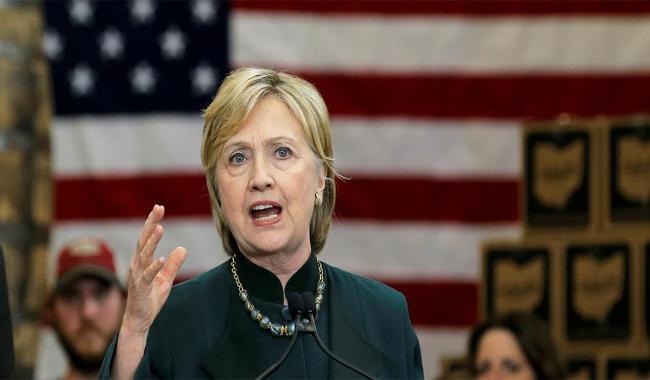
x=240, y=91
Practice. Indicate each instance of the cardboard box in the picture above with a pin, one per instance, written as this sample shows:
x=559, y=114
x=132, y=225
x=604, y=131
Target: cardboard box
x=645, y=266
x=627, y=176
x=12, y=187
x=36, y=285
x=561, y=173
x=599, y=291
x=22, y=26
x=582, y=368
x=516, y=276
x=635, y=366
x=7, y=114
x=454, y=367
x=42, y=189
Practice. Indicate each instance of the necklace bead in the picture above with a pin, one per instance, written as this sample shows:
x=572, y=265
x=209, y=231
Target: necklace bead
x=264, y=322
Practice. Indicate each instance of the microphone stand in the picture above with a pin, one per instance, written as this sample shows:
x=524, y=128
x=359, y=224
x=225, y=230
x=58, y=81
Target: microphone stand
x=296, y=308
x=310, y=308
x=284, y=357
x=298, y=305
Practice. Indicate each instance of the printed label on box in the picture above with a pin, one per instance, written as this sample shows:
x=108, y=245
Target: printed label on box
x=598, y=304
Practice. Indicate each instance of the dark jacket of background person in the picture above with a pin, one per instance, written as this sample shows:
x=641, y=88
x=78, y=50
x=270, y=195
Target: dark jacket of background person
x=6, y=338
x=534, y=340
x=369, y=327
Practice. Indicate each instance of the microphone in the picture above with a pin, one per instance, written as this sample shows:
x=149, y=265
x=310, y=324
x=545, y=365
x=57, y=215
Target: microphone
x=310, y=309
x=296, y=307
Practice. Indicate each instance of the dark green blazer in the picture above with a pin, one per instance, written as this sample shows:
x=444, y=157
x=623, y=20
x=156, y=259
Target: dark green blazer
x=369, y=328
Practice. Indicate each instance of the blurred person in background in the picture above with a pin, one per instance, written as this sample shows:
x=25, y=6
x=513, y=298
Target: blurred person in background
x=86, y=305
x=514, y=346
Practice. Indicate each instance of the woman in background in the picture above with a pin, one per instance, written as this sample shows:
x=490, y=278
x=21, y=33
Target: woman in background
x=514, y=346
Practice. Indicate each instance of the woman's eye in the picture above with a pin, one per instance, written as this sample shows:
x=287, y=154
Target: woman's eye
x=482, y=368
x=511, y=366
x=237, y=158
x=283, y=152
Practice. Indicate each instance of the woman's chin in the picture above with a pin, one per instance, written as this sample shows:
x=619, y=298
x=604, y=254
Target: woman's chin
x=267, y=244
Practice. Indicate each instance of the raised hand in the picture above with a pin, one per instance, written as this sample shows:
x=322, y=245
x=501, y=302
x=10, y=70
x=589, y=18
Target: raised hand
x=149, y=284
x=150, y=280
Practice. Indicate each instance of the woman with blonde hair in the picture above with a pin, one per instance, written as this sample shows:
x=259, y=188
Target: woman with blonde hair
x=268, y=160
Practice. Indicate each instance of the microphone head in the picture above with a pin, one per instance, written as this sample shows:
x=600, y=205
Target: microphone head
x=295, y=303
x=309, y=303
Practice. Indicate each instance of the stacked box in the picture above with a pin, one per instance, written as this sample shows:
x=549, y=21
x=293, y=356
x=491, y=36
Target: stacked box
x=454, y=367
x=517, y=277
x=626, y=365
x=627, y=184
x=585, y=188
x=560, y=190
x=582, y=367
x=26, y=191
x=598, y=292
x=12, y=196
x=645, y=258
x=42, y=189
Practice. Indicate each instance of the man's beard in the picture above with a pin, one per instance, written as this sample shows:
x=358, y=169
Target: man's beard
x=84, y=363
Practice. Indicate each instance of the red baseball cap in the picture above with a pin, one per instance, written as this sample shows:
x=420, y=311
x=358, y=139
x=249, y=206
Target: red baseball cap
x=85, y=257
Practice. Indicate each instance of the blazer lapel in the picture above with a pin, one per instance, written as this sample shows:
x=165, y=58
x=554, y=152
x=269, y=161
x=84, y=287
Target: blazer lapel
x=348, y=338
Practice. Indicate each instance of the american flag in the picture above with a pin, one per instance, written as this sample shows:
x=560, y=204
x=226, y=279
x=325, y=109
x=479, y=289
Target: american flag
x=426, y=101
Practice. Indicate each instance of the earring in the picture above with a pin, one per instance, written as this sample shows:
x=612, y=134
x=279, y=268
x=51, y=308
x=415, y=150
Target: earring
x=319, y=199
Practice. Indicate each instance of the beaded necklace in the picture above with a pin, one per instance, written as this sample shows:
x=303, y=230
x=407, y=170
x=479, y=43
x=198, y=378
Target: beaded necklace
x=265, y=323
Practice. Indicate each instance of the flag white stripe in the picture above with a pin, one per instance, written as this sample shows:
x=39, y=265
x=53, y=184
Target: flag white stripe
x=440, y=343
x=389, y=251
x=413, y=44
x=110, y=145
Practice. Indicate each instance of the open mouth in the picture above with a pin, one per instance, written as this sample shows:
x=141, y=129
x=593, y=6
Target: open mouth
x=265, y=211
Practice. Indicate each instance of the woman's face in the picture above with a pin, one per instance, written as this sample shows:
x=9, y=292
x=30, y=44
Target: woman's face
x=267, y=178
x=500, y=357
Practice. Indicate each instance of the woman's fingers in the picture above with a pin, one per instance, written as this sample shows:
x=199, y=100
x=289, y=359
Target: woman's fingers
x=174, y=262
x=152, y=270
x=146, y=255
x=154, y=217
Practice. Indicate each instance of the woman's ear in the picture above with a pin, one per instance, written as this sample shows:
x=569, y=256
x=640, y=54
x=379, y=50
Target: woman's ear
x=320, y=186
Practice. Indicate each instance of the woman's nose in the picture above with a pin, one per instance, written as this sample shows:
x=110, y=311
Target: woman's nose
x=492, y=374
x=261, y=178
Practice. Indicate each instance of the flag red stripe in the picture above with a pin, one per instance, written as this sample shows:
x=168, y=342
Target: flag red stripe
x=432, y=303
x=384, y=199
x=483, y=96
x=466, y=200
x=443, y=7
x=440, y=303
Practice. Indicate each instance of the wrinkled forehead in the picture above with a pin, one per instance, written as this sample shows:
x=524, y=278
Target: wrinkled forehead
x=270, y=119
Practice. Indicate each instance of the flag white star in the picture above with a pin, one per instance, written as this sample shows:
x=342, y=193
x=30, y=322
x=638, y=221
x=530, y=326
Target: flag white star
x=52, y=45
x=143, y=78
x=172, y=43
x=142, y=10
x=82, y=80
x=204, y=79
x=204, y=11
x=111, y=43
x=81, y=12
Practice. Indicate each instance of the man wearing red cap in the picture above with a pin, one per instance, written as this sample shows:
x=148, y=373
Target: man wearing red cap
x=87, y=304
